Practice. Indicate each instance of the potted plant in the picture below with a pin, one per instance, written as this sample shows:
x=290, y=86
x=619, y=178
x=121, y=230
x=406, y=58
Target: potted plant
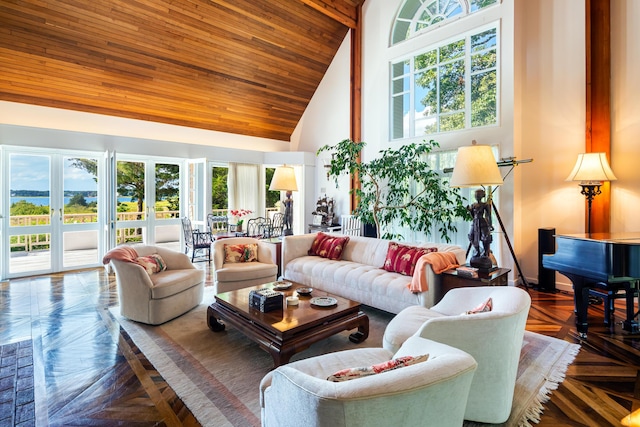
x=237, y=215
x=399, y=187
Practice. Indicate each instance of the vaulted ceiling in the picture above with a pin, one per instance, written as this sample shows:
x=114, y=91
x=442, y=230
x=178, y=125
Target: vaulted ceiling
x=241, y=66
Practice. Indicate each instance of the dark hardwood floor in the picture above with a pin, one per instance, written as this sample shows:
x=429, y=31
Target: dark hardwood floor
x=88, y=372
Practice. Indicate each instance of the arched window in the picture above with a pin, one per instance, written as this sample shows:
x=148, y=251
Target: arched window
x=417, y=16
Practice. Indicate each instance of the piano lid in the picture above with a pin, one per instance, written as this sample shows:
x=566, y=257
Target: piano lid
x=627, y=238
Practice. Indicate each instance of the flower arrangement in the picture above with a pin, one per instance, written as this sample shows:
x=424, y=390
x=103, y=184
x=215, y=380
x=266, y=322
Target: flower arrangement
x=239, y=213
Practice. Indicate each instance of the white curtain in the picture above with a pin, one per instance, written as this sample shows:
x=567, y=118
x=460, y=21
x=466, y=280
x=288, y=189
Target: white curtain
x=246, y=188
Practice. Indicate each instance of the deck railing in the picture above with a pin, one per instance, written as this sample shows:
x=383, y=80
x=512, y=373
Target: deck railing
x=31, y=242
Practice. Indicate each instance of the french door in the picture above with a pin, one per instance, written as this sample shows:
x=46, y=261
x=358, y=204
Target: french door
x=148, y=201
x=51, y=206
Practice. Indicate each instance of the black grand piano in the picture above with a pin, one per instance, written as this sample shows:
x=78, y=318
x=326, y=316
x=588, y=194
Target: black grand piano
x=597, y=261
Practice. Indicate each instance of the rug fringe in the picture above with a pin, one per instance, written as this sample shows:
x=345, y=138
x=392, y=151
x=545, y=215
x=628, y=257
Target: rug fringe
x=552, y=382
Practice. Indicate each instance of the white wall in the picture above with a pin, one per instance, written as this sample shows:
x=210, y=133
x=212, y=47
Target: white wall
x=625, y=115
x=326, y=121
x=551, y=121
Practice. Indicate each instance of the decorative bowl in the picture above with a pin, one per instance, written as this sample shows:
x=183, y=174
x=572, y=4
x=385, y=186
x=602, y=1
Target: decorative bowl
x=304, y=291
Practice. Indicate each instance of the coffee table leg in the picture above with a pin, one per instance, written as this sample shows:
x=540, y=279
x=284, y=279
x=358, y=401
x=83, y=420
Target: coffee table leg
x=214, y=324
x=363, y=330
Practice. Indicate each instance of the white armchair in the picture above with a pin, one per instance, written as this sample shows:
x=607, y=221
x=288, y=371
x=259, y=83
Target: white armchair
x=431, y=393
x=493, y=338
x=159, y=297
x=232, y=276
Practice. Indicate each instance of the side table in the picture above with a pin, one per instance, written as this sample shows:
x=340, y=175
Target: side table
x=451, y=279
x=276, y=252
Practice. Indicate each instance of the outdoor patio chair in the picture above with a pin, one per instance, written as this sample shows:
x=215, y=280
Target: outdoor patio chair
x=195, y=240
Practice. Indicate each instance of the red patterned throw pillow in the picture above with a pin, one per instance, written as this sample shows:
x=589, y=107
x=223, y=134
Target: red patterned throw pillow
x=353, y=373
x=328, y=246
x=402, y=258
x=241, y=253
x=152, y=263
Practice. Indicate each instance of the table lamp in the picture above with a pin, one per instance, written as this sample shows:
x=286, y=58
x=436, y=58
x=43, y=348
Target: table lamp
x=476, y=166
x=591, y=169
x=284, y=179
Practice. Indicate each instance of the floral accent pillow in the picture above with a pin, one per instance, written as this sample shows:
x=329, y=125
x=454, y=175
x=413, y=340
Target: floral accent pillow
x=152, y=263
x=353, y=373
x=328, y=246
x=402, y=258
x=241, y=253
x=482, y=308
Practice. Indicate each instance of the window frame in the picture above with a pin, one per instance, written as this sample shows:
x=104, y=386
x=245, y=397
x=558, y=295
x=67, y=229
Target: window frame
x=409, y=88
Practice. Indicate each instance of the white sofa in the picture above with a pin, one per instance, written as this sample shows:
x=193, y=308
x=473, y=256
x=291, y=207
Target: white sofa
x=359, y=274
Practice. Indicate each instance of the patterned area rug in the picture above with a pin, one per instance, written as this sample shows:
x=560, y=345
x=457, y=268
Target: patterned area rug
x=217, y=374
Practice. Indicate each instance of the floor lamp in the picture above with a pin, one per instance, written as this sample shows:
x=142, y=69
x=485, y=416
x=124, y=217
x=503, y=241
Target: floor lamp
x=476, y=167
x=591, y=169
x=284, y=179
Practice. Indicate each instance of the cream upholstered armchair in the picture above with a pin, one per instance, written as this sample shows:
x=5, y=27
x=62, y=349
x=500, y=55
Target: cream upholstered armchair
x=430, y=393
x=231, y=273
x=157, y=297
x=493, y=338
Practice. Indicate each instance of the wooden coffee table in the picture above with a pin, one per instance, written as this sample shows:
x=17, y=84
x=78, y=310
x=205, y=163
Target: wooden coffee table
x=285, y=332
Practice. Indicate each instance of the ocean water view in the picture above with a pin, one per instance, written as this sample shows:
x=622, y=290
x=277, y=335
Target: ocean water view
x=44, y=201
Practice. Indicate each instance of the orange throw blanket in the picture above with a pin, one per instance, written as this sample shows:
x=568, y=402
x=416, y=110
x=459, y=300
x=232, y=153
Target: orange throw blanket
x=121, y=253
x=439, y=261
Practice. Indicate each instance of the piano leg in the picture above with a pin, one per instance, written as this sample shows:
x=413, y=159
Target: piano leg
x=581, y=303
x=630, y=324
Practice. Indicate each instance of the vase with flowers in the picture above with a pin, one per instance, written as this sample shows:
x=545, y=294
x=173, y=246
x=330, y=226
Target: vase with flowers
x=237, y=215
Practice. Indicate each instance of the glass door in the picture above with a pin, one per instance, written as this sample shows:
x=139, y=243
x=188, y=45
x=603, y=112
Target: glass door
x=53, y=214
x=30, y=213
x=139, y=181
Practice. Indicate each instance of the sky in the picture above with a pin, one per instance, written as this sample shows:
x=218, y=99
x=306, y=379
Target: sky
x=31, y=172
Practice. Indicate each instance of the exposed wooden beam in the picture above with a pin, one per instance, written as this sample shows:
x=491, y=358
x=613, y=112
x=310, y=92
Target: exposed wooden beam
x=356, y=98
x=340, y=11
x=598, y=104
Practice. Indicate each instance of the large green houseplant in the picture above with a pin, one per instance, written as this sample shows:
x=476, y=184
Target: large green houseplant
x=398, y=188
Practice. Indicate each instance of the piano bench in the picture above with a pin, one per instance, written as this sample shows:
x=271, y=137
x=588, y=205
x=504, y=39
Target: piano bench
x=609, y=293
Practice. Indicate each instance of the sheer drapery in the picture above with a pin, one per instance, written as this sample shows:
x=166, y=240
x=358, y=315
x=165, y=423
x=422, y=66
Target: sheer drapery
x=246, y=188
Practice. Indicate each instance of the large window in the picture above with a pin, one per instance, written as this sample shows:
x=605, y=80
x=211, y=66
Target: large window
x=447, y=87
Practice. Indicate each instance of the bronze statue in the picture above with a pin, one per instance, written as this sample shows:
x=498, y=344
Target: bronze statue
x=288, y=213
x=480, y=232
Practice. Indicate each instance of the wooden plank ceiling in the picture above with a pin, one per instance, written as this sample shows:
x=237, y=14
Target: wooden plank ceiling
x=241, y=66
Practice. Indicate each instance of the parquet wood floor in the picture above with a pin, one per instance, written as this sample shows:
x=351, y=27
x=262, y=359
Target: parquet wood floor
x=88, y=371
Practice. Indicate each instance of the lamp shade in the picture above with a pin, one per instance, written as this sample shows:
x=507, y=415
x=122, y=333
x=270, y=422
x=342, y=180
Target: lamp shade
x=591, y=167
x=284, y=179
x=475, y=165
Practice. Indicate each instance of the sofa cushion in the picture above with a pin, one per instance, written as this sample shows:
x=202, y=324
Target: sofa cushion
x=242, y=271
x=328, y=246
x=402, y=258
x=172, y=282
x=152, y=263
x=389, y=365
x=241, y=253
